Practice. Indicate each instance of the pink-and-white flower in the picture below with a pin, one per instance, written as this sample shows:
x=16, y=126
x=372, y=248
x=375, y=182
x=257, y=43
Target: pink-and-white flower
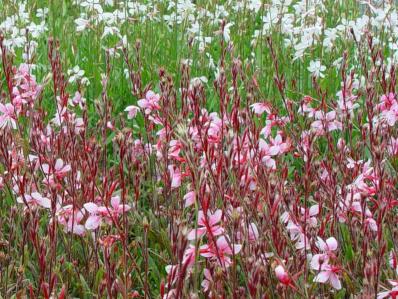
x=260, y=108
x=282, y=275
x=150, y=102
x=7, y=116
x=221, y=251
x=70, y=219
x=110, y=213
x=207, y=224
x=175, y=176
x=325, y=122
x=131, y=111
x=392, y=293
x=35, y=199
x=207, y=281
x=326, y=251
x=329, y=273
x=189, y=198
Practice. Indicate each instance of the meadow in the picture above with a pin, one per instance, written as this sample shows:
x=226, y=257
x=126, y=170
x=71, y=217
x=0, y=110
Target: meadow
x=198, y=149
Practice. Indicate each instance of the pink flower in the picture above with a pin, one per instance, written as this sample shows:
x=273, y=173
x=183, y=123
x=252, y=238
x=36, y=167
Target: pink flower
x=389, y=113
x=393, y=293
x=297, y=235
x=189, y=256
x=325, y=122
x=77, y=100
x=282, y=275
x=35, y=199
x=208, y=281
x=278, y=146
x=329, y=273
x=266, y=153
x=329, y=246
x=110, y=125
x=7, y=116
x=61, y=115
x=214, y=130
x=221, y=251
x=115, y=209
x=99, y=213
x=310, y=215
x=387, y=101
x=25, y=88
x=393, y=146
x=189, y=198
x=371, y=224
x=70, y=219
x=306, y=108
x=60, y=169
x=352, y=163
x=320, y=262
x=207, y=224
x=260, y=108
x=150, y=102
x=175, y=175
x=131, y=111
x=174, y=150
x=94, y=220
x=253, y=232
x=326, y=248
x=79, y=125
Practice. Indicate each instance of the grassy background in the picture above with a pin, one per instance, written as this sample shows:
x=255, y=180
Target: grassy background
x=165, y=46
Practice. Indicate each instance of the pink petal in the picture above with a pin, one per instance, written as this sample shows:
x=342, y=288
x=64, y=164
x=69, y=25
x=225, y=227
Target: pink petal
x=126, y=208
x=320, y=243
x=196, y=234
x=223, y=245
x=314, y=210
x=91, y=207
x=58, y=164
x=207, y=274
x=215, y=218
x=237, y=248
x=331, y=115
x=142, y=103
x=189, y=198
x=334, y=281
x=46, y=168
x=115, y=201
x=331, y=243
x=322, y=277
x=253, y=232
x=93, y=222
x=274, y=150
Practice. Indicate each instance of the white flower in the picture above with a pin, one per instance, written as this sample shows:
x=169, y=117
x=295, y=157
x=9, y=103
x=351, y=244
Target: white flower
x=76, y=74
x=92, y=5
x=226, y=33
x=42, y=12
x=198, y=80
x=316, y=69
x=81, y=24
x=111, y=31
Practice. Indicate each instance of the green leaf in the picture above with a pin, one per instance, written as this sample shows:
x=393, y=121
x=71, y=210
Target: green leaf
x=346, y=243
